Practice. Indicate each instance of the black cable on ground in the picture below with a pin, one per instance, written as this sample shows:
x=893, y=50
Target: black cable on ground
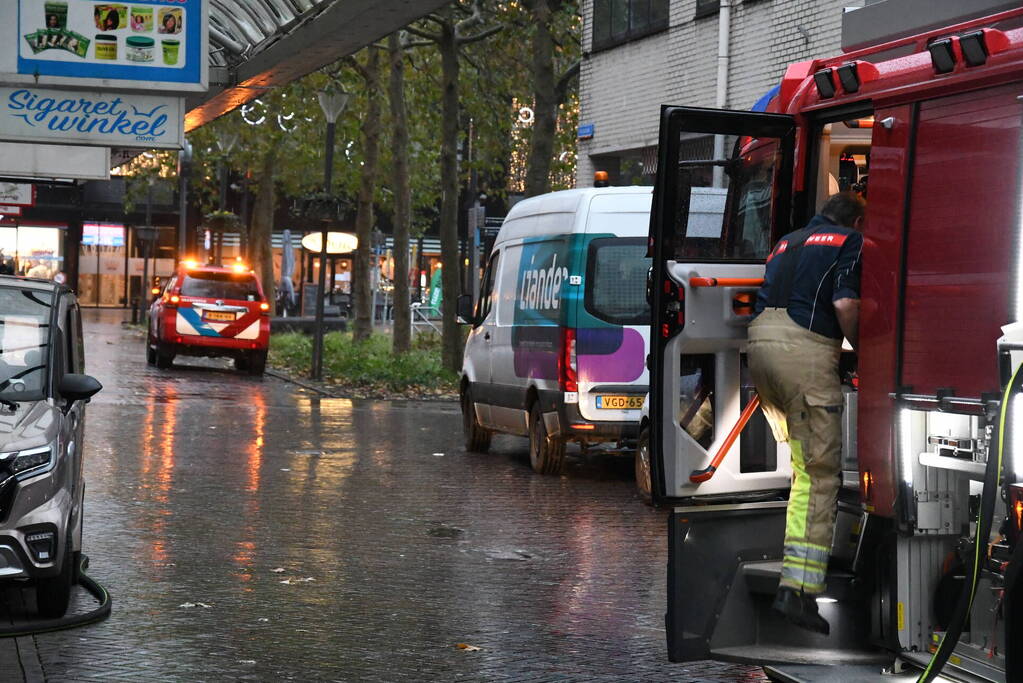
x=992, y=473
x=46, y=625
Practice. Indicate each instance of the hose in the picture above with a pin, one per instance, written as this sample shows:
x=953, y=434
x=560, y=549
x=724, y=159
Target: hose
x=992, y=474
x=100, y=613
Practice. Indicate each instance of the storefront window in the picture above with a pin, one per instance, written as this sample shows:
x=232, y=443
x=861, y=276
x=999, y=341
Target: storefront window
x=32, y=251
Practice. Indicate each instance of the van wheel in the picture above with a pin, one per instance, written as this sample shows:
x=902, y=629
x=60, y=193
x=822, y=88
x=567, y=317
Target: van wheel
x=53, y=595
x=164, y=358
x=477, y=439
x=642, y=459
x=546, y=453
x=150, y=354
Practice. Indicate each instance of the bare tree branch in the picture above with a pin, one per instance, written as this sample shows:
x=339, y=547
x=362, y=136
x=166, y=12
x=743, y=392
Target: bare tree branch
x=486, y=33
x=561, y=89
x=427, y=35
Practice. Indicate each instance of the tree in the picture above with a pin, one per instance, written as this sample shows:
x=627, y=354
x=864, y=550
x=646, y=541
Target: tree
x=549, y=90
x=402, y=194
x=371, y=126
x=453, y=28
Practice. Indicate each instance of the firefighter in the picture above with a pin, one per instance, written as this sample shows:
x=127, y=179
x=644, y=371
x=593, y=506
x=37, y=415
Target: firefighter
x=809, y=300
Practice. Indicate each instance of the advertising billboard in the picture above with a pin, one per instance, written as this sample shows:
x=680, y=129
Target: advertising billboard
x=137, y=44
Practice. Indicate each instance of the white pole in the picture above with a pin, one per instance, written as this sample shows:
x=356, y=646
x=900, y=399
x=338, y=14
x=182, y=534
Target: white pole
x=721, y=99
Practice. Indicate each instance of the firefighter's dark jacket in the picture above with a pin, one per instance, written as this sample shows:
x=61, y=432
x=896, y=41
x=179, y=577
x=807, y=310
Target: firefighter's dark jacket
x=828, y=269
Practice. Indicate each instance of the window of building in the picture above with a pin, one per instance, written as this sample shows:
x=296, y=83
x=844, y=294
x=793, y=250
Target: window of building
x=706, y=8
x=619, y=21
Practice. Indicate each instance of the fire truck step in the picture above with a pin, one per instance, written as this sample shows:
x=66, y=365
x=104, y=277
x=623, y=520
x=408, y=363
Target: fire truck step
x=795, y=657
x=849, y=673
x=762, y=578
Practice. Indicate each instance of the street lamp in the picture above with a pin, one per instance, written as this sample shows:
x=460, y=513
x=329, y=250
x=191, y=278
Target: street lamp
x=226, y=140
x=332, y=102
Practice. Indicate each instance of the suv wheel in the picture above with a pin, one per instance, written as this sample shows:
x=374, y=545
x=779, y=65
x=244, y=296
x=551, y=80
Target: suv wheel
x=241, y=363
x=477, y=439
x=643, y=480
x=150, y=352
x=53, y=595
x=164, y=357
x=257, y=363
x=546, y=453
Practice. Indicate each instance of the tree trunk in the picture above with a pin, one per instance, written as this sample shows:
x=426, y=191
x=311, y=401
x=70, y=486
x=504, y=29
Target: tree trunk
x=260, y=249
x=363, y=267
x=402, y=197
x=545, y=102
x=451, y=334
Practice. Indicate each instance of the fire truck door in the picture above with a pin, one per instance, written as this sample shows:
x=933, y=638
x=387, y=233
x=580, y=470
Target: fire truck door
x=704, y=280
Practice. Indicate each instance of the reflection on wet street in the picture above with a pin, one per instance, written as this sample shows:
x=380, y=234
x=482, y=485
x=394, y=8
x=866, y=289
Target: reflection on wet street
x=250, y=530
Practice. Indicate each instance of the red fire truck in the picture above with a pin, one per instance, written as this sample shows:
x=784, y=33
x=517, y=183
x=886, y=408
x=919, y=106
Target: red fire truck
x=926, y=562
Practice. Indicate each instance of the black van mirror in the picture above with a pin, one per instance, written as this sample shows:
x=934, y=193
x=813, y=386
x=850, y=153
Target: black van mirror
x=75, y=387
x=464, y=309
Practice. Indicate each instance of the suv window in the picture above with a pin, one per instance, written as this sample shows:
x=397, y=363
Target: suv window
x=616, y=280
x=220, y=286
x=24, y=342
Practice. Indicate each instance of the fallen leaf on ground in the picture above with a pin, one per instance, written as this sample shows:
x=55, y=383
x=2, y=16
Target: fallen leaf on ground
x=467, y=647
x=278, y=570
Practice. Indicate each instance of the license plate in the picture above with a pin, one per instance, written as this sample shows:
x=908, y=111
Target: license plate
x=612, y=402
x=218, y=315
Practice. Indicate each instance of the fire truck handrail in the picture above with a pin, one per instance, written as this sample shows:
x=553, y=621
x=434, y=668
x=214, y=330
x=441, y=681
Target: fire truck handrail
x=725, y=281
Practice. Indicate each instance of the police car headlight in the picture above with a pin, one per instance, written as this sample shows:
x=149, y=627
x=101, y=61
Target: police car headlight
x=29, y=462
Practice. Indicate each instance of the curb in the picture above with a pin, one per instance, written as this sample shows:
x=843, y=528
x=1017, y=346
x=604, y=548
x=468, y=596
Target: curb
x=297, y=382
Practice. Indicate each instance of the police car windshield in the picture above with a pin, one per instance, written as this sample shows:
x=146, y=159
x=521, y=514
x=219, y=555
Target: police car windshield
x=616, y=280
x=24, y=342
x=210, y=285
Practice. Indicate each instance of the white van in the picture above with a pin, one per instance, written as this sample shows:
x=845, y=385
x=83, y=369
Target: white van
x=559, y=337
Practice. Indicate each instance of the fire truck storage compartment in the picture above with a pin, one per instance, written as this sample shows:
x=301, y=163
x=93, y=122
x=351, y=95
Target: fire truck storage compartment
x=959, y=258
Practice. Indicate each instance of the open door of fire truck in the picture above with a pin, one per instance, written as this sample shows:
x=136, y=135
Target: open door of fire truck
x=908, y=576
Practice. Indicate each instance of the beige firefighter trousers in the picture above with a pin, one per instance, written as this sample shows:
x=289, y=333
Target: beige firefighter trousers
x=796, y=374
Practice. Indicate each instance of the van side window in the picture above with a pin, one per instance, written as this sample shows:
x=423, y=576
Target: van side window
x=616, y=280
x=485, y=303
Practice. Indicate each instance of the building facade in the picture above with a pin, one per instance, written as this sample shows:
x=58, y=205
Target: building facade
x=640, y=54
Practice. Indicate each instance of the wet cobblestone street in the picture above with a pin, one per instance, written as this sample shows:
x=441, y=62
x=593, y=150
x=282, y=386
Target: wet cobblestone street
x=251, y=530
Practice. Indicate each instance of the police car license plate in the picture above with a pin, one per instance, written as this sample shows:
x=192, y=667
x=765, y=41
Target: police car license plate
x=618, y=402
x=219, y=316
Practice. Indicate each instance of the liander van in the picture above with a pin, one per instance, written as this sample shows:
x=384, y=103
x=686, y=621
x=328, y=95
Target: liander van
x=557, y=350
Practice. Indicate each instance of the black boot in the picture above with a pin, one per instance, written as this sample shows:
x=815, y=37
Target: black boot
x=800, y=609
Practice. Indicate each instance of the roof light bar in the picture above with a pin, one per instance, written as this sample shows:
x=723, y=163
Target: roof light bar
x=943, y=57
x=848, y=77
x=825, y=84
x=974, y=48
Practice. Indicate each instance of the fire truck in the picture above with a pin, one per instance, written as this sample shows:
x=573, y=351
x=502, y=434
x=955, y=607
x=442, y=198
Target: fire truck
x=924, y=579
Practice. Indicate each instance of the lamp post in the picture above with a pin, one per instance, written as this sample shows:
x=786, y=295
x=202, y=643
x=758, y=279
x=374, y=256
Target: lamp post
x=332, y=102
x=184, y=168
x=226, y=140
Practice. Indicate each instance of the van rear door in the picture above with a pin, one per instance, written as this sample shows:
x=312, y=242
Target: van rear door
x=612, y=326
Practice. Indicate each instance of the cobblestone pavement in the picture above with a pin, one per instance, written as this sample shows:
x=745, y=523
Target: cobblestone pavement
x=250, y=530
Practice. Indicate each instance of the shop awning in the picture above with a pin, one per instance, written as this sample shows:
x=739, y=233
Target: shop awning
x=259, y=44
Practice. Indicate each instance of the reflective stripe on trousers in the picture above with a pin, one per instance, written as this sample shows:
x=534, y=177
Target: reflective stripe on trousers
x=796, y=374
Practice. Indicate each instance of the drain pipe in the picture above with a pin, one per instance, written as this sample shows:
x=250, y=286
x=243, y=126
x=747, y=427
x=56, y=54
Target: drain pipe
x=721, y=99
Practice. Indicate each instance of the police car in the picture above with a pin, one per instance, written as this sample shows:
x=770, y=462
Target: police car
x=207, y=310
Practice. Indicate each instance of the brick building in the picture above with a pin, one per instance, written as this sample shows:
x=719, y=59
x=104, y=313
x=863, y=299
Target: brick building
x=639, y=54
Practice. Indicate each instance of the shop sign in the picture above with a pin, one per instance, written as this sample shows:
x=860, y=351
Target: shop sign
x=137, y=45
x=18, y=194
x=90, y=118
x=24, y=160
x=585, y=131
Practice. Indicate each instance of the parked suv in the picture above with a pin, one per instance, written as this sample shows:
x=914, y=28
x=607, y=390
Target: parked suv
x=42, y=416
x=210, y=311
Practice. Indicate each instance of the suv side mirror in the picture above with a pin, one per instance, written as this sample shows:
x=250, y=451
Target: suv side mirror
x=464, y=309
x=75, y=387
